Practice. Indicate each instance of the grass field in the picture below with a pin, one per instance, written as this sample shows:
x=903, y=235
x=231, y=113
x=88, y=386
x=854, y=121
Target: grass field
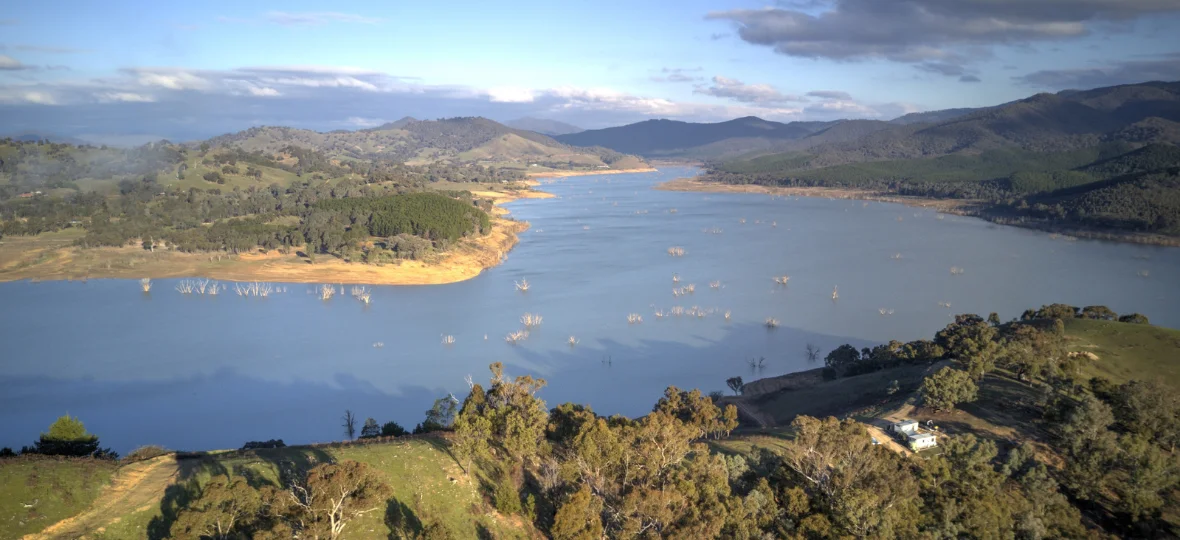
x=1127, y=351
x=427, y=487
x=54, y=488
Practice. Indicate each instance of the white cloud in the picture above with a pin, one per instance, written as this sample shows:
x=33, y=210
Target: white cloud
x=762, y=94
x=361, y=122
x=511, y=94
x=39, y=98
x=10, y=63
x=129, y=97
x=262, y=91
x=171, y=79
x=316, y=18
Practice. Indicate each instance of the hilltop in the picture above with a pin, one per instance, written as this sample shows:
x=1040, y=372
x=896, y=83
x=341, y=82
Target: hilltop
x=544, y=126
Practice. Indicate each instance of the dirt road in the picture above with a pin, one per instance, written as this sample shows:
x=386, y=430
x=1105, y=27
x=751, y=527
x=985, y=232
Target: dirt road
x=134, y=487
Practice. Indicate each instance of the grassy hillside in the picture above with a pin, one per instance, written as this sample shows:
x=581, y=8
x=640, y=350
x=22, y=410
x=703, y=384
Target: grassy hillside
x=52, y=488
x=427, y=487
x=1128, y=351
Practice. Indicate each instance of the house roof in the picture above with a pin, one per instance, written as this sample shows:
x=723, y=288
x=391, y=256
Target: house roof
x=917, y=436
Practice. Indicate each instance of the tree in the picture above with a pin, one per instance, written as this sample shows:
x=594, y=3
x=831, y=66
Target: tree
x=579, y=518
x=1101, y=313
x=859, y=489
x=812, y=352
x=1149, y=474
x=67, y=436
x=993, y=319
x=1032, y=353
x=226, y=508
x=971, y=341
x=331, y=495
x=392, y=429
x=370, y=429
x=842, y=357
x=1134, y=318
x=948, y=387
x=349, y=424
x=735, y=384
x=1148, y=409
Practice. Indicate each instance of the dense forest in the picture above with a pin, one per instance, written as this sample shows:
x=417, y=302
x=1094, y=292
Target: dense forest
x=1102, y=460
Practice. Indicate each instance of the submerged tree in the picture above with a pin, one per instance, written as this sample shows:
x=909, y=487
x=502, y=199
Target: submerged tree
x=349, y=424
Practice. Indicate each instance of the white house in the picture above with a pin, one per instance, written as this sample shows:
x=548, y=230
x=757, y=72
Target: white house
x=922, y=441
x=904, y=427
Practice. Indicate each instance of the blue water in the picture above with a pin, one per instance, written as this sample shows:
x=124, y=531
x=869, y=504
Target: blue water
x=200, y=372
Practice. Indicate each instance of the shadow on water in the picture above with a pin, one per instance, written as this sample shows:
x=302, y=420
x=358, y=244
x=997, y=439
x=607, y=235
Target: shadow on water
x=627, y=372
x=221, y=410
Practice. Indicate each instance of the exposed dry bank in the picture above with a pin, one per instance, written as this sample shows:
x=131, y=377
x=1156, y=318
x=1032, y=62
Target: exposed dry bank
x=53, y=256
x=563, y=174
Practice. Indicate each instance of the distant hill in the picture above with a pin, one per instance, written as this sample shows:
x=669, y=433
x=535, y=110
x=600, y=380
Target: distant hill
x=34, y=136
x=673, y=138
x=544, y=126
x=1059, y=151
x=931, y=117
x=472, y=140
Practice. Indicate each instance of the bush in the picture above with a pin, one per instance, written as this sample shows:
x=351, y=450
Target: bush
x=144, y=453
x=506, y=498
x=7, y=452
x=1134, y=318
x=67, y=436
x=257, y=445
x=214, y=177
x=392, y=429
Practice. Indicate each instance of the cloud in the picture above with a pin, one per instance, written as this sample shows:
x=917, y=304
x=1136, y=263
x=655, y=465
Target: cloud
x=677, y=75
x=8, y=63
x=511, y=94
x=918, y=31
x=129, y=97
x=284, y=18
x=43, y=49
x=762, y=94
x=830, y=94
x=970, y=79
x=186, y=104
x=1160, y=68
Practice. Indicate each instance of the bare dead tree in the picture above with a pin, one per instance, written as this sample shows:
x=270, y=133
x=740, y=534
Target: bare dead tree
x=349, y=424
x=812, y=353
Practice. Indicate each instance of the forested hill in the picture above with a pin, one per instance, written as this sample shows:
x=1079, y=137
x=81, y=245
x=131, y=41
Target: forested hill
x=671, y=138
x=1102, y=158
x=452, y=140
x=544, y=126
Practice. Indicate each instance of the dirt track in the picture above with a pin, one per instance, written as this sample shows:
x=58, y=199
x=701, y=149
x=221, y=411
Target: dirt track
x=134, y=487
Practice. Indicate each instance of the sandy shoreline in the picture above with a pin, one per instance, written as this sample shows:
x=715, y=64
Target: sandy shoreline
x=55, y=258
x=694, y=185
x=563, y=174
x=962, y=207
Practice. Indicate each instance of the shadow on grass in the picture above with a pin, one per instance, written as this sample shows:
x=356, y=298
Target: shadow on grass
x=183, y=492
x=401, y=520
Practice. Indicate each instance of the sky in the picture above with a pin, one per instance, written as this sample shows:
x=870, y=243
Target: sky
x=128, y=72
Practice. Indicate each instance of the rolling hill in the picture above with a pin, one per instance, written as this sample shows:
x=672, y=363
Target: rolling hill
x=672, y=138
x=418, y=142
x=544, y=126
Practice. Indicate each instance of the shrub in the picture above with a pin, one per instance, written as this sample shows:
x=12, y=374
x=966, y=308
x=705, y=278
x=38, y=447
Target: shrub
x=144, y=453
x=1134, y=318
x=392, y=429
x=506, y=498
x=257, y=445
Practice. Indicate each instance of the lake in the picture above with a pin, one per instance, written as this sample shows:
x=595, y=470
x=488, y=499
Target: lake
x=205, y=372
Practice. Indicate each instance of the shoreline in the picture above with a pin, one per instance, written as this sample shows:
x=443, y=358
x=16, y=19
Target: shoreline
x=566, y=174
x=959, y=207
x=55, y=258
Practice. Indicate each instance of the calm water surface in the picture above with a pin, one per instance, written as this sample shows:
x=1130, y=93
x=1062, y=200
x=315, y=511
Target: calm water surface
x=192, y=372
